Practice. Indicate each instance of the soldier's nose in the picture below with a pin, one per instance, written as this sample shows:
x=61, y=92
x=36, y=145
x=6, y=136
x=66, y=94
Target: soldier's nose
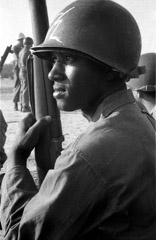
x=57, y=72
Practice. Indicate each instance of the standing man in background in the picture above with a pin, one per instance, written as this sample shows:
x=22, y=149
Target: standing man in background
x=23, y=55
x=16, y=49
x=144, y=88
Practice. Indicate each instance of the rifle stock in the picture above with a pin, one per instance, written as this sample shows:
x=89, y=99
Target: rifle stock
x=5, y=54
x=50, y=144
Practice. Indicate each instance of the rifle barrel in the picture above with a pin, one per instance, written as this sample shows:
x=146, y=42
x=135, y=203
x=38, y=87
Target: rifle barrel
x=49, y=146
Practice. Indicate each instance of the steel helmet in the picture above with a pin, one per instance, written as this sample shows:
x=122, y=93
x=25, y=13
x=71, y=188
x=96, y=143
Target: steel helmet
x=147, y=81
x=28, y=41
x=20, y=36
x=101, y=29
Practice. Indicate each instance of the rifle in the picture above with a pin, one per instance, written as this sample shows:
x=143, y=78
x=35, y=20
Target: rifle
x=5, y=54
x=42, y=101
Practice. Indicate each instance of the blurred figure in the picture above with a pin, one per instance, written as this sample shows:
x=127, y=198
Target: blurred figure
x=3, y=157
x=144, y=87
x=16, y=49
x=23, y=55
x=3, y=129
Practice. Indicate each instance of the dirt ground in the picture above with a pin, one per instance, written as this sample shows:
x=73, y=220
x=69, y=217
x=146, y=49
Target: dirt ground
x=73, y=123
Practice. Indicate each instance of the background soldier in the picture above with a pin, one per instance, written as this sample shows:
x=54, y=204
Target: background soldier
x=16, y=49
x=23, y=55
x=144, y=88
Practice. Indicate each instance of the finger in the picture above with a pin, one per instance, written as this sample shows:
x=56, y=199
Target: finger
x=32, y=135
x=27, y=122
x=41, y=123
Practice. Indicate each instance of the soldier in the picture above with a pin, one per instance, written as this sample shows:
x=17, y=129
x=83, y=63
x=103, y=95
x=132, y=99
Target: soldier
x=144, y=88
x=103, y=184
x=16, y=49
x=23, y=55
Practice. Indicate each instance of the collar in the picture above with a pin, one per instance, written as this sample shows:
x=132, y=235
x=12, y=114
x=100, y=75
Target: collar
x=111, y=103
x=153, y=112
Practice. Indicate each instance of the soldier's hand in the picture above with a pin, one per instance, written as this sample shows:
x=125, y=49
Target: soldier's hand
x=26, y=139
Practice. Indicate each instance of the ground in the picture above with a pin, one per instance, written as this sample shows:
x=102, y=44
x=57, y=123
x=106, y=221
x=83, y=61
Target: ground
x=73, y=123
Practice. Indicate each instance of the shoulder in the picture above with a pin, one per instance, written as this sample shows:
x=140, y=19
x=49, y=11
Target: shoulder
x=74, y=164
x=99, y=136
x=16, y=47
x=116, y=140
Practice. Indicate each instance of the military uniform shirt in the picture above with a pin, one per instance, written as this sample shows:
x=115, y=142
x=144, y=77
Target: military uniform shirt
x=102, y=185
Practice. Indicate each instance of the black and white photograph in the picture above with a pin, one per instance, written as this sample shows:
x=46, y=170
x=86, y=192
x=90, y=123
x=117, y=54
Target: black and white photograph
x=77, y=120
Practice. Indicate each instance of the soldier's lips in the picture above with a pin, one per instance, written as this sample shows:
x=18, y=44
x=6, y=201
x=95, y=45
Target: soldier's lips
x=59, y=93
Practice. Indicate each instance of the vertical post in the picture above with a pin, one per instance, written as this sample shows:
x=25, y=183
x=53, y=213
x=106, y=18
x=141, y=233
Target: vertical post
x=49, y=146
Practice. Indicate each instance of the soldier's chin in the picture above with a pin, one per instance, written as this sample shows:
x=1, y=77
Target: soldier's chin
x=65, y=106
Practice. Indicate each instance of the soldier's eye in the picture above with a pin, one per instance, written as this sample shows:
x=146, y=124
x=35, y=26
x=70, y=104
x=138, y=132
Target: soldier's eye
x=69, y=59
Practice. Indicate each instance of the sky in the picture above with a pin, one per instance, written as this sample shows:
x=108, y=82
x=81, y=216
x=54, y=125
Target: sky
x=15, y=18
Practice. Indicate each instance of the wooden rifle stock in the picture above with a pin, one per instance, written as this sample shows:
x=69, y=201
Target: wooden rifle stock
x=3, y=58
x=50, y=143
